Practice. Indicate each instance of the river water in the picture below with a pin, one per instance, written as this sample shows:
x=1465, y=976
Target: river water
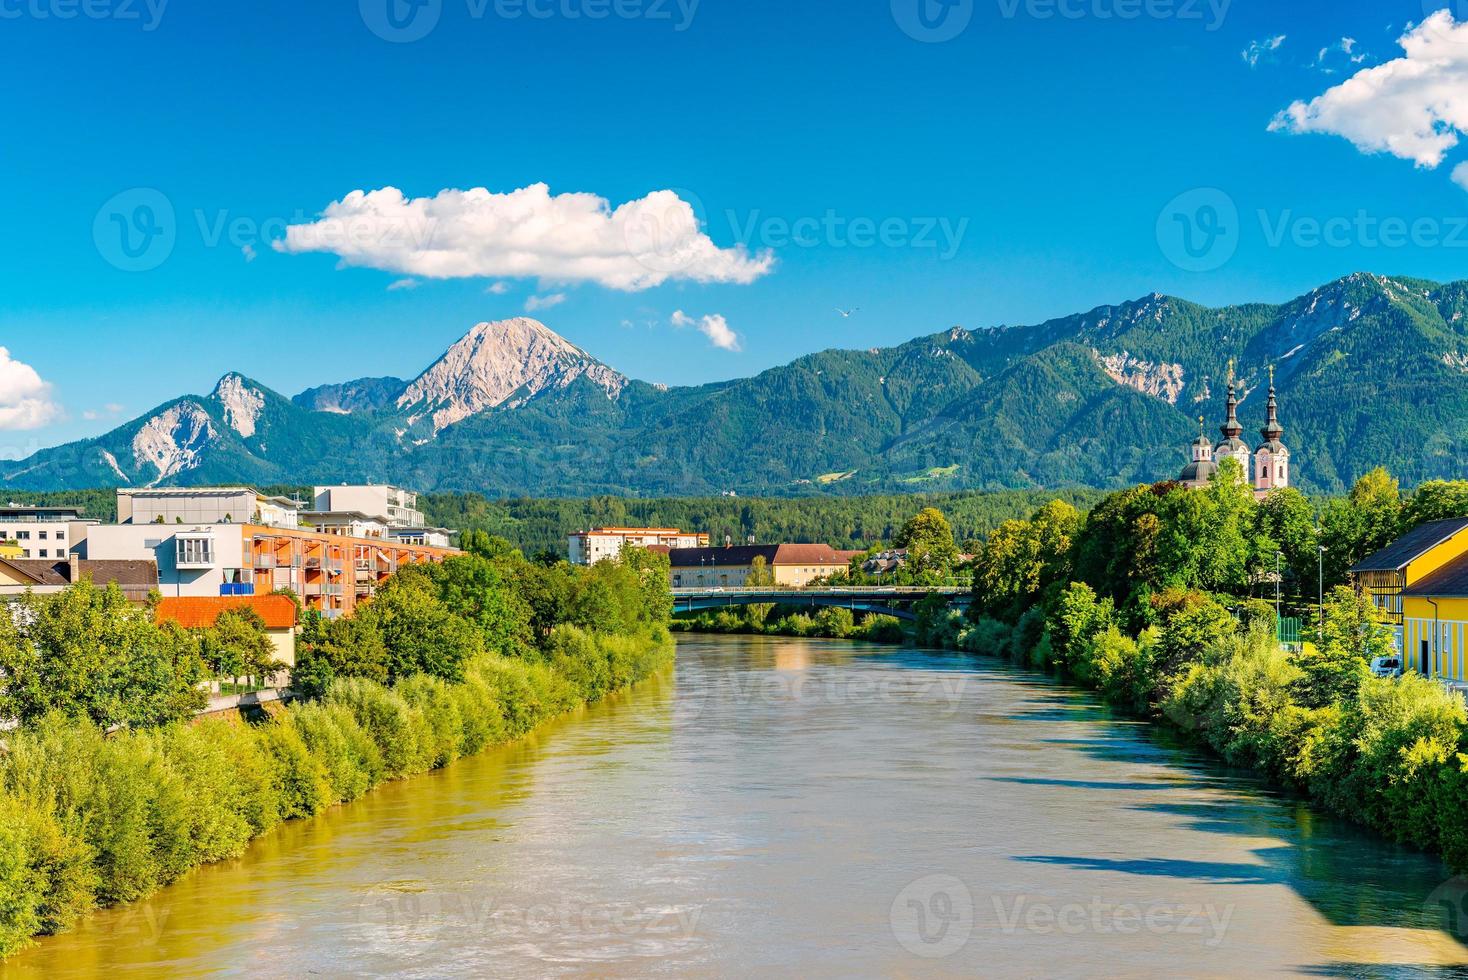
x=806, y=808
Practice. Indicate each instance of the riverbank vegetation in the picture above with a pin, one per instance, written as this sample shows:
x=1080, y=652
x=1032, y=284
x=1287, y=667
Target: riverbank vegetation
x=1161, y=599
x=774, y=620
x=109, y=789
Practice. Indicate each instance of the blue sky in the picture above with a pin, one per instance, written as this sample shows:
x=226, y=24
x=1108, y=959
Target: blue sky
x=1042, y=161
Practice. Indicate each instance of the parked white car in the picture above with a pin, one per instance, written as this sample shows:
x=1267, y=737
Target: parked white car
x=1387, y=667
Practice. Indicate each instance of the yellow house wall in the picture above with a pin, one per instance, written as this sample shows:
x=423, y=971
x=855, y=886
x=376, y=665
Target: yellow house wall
x=1450, y=550
x=284, y=642
x=721, y=576
x=1444, y=630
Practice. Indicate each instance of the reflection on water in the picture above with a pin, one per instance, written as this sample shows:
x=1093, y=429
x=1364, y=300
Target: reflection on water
x=811, y=808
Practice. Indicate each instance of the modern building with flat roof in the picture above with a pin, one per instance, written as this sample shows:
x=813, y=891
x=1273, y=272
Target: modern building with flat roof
x=40, y=532
x=590, y=547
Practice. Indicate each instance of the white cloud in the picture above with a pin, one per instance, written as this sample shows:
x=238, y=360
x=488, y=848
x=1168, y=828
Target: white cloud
x=1460, y=175
x=497, y=289
x=526, y=233
x=25, y=400
x=544, y=302
x=1264, y=50
x=714, y=327
x=398, y=284
x=1414, y=107
x=114, y=408
x=1338, y=56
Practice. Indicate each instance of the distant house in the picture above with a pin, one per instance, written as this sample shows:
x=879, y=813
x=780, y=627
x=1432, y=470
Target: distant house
x=278, y=612
x=40, y=532
x=136, y=579
x=590, y=547
x=791, y=565
x=1420, y=583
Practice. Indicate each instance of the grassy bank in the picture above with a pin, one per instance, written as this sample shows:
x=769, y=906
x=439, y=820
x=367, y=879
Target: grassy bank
x=830, y=623
x=88, y=820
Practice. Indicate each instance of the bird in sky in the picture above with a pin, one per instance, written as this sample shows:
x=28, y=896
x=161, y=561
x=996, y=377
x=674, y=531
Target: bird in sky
x=846, y=314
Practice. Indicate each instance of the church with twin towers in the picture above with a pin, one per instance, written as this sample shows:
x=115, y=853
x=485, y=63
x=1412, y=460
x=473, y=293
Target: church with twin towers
x=1271, y=461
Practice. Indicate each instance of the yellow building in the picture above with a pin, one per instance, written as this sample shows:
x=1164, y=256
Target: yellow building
x=11, y=550
x=788, y=565
x=1420, y=582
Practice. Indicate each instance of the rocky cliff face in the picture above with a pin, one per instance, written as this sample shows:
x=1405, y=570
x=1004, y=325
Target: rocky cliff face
x=501, y=365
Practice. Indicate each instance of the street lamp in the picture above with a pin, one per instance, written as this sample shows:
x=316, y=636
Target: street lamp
x=1320, y=548
x=1278, y=579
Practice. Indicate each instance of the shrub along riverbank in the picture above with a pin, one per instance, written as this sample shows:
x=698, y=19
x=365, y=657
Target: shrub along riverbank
x=446, y=661
x=766, y=620
x=1155, y=599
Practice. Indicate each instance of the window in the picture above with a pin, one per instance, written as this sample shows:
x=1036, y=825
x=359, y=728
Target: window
x=41, y=535
x=43, y=552
x=195, y=551
x=60, y=535
x=22, y=535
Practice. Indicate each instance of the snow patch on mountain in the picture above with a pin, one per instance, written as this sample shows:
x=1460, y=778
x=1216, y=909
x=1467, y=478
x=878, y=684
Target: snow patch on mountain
x=502, y=365
x=173, y=441
x=242, y=404
x=1165, y=381
x=111, y=461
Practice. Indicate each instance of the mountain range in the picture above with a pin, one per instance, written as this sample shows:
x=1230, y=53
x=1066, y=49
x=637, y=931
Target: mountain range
x=1371, y=371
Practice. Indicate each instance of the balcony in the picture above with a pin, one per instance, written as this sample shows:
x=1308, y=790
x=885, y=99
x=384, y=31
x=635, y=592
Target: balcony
x=265, y=560
x=237, y=588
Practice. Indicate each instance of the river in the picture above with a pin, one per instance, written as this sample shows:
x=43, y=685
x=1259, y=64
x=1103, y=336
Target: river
x=807, y=808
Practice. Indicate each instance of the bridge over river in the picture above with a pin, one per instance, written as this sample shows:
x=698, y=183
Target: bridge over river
x=895, y=601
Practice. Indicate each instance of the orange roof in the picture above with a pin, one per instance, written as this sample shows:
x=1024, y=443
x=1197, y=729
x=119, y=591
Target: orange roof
x=278, y=611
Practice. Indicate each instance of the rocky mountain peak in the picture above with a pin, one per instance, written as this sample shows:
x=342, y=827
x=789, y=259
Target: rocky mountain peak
x=501, y=364
x=242, y=403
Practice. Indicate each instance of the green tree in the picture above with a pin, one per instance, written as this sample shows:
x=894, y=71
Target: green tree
x=328, y=649
x=237, y=645
x=1351, y=636
x=759, y=573
x=928, y=538
x=89, y=653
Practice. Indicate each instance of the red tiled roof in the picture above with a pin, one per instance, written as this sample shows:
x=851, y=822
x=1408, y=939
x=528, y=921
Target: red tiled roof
x=192, y=612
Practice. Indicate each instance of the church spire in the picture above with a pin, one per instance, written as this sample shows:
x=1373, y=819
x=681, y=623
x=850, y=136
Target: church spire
x=1231, y=428
x=1272, y=429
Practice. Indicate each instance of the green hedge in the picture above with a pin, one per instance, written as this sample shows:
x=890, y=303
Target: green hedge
x=90, y=820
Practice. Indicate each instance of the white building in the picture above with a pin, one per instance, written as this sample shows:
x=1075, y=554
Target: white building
x=590, y=547
x=205, y=505
x=396, y=506
x=42, y=532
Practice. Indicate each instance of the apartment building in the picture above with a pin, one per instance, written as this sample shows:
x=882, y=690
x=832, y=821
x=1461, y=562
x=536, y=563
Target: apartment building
x=590, y=547
x=396, y=506
x=330, y=567
x=788, y=565
x=39, y=533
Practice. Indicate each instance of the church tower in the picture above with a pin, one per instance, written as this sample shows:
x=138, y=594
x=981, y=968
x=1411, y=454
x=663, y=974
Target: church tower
x=1272, y=460
x=1197, y=473
x=1232, y=445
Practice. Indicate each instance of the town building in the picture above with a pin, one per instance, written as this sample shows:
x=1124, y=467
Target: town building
x=278, y=613
x=136, y=579
x=1420, y=583
x=397, y=507
x=39, y=532
x=590, y=547
x=358, y=510
x=789, y=565
x=1270, y=467
x=215, y=555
